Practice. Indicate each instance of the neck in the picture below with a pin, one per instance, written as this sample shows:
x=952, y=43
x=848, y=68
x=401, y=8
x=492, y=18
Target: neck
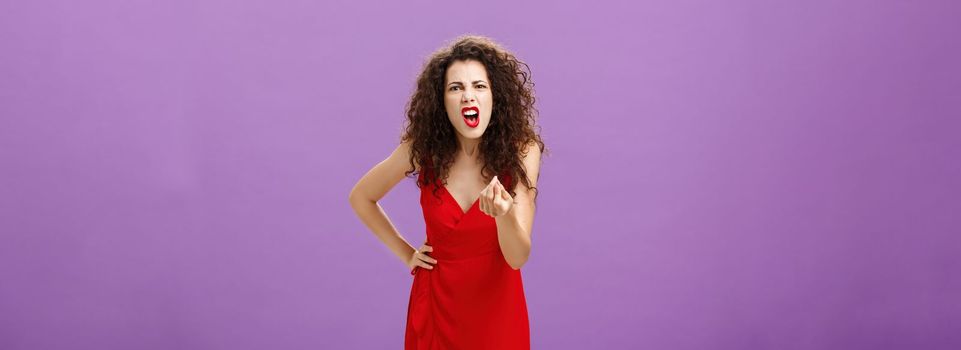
x=468, y=147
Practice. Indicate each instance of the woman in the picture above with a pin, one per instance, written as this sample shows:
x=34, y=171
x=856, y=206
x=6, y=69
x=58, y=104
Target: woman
x=470, y=132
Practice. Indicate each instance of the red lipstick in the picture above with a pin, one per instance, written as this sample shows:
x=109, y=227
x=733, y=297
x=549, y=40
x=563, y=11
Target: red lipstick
x=471, y=116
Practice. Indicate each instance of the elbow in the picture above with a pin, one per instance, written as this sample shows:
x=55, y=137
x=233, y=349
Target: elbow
x=359, y=203
x=351, y=198
x=517, y=263
x=355, y=198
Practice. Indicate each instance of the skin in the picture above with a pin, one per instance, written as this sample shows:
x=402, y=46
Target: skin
x=466, y=84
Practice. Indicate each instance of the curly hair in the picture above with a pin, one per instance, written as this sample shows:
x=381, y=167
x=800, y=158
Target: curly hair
x=433, y=139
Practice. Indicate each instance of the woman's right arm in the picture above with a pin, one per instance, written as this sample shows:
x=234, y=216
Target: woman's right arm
x=371, y=188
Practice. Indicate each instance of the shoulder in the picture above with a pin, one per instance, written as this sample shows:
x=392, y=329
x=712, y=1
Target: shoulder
x=531, y=155
x=532, y=151
x=403, y=154
x=531, y=159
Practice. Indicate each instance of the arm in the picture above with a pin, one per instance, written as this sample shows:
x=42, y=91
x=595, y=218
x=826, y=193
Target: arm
x=371, y=188
x=514, y=227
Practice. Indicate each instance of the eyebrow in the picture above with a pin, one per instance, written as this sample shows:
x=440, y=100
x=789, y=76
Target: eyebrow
x=475, y=82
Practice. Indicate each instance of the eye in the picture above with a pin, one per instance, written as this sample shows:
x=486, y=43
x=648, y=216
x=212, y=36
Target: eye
x=454, y=87
x=481, y=86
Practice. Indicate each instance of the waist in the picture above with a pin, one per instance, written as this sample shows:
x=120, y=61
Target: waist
x=456, y=255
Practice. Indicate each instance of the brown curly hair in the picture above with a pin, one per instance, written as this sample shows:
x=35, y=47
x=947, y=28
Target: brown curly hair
x=433, y=139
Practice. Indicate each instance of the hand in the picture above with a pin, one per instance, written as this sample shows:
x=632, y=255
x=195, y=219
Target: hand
x=420, y=258
x=494, y=199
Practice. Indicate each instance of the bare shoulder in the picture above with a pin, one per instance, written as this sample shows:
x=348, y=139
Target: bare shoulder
x=400, y=158
x=402, y=153
x=531, y=151
x=525, y=194
x=531, y=158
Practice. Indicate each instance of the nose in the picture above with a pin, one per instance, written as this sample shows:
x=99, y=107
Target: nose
x=467, y=96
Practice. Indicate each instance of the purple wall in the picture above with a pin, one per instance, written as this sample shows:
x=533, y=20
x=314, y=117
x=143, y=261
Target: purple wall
x=723, y=175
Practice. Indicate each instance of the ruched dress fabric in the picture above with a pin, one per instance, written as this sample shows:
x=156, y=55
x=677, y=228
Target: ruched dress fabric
x=471, y=299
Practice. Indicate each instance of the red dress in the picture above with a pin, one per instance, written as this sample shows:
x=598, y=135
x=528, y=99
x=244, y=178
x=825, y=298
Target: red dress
x=471, y=299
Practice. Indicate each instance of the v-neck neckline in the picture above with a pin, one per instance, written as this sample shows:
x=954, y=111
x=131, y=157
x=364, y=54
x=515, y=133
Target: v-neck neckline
x=457, y=205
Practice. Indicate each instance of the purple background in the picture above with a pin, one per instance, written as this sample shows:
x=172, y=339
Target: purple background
x=723, y=175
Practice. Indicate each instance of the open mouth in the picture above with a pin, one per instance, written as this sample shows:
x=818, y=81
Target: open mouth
x=471, y=116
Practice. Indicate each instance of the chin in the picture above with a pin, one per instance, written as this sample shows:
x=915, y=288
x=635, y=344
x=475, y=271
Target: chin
x=472, y=134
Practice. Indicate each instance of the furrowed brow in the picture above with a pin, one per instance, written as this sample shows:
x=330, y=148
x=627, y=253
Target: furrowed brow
x=459, y=83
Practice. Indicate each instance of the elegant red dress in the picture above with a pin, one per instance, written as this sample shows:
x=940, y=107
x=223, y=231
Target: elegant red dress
x=471, y=299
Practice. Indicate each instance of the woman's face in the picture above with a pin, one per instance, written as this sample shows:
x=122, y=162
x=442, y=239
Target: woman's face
x=468, y=98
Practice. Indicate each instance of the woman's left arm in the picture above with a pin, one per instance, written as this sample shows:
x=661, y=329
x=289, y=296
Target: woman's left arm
x=515, y=215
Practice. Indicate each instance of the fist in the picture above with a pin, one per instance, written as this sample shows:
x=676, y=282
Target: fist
x=494, y=199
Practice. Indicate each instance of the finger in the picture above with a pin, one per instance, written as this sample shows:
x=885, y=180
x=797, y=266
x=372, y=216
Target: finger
x=426, y=248
x=485, y=203
x=491, y=208
x=424, y=265
x=497, y=191
x=482, y=203
x=426, y=258
x=485, y=199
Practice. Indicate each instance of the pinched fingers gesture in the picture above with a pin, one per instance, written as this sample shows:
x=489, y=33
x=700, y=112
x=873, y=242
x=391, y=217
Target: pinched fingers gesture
x=495, y=200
